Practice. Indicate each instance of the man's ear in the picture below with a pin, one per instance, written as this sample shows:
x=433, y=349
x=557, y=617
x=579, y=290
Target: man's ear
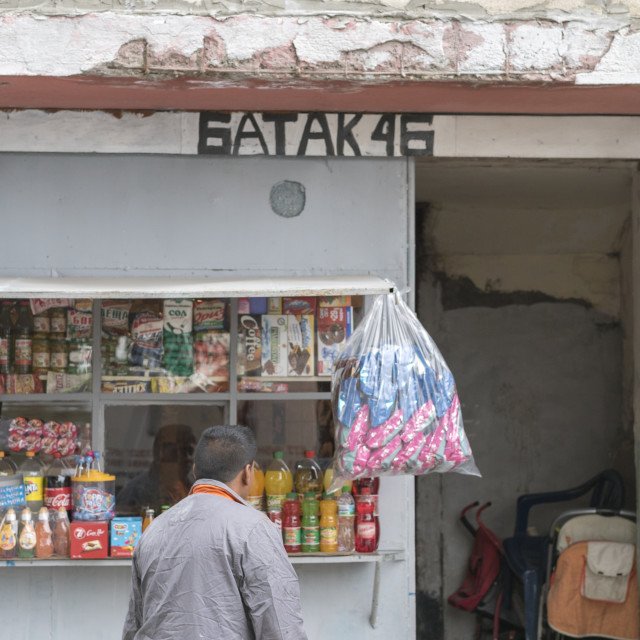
x=246, y=475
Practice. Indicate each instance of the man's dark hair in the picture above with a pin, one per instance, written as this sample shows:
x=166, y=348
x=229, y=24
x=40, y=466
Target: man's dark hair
x=223, y=451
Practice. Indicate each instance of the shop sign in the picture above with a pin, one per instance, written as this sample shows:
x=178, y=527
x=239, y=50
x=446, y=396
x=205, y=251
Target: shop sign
x=316, y=134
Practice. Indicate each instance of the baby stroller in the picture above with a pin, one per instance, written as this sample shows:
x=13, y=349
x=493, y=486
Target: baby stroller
x=481, y=591
x=592, y=586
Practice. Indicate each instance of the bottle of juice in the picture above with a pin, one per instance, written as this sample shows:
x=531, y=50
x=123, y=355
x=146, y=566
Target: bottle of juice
x=44, y=535
x=26, y=535
x=310, y=524
x=278, y=481
x=328, y=525
x=9, y=535
x=148, y=519
x=365, y=523
x=374, y=488
x=346, y=520
x=62, y=534
x=291, y=533
x=256, y=491
x=308, y=476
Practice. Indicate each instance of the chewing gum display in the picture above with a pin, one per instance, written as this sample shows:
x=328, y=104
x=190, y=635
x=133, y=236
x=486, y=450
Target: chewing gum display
x=395, y=402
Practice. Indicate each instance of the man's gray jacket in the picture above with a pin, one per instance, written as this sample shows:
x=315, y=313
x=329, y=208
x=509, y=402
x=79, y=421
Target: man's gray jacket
x=215, y=569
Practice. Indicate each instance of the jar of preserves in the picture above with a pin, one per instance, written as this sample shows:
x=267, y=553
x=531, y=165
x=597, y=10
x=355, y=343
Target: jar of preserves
x=41, y=354
x=58, y=321
x=42, y=323
x=59, y=359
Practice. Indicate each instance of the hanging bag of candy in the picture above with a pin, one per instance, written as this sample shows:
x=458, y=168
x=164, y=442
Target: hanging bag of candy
x=395, y=405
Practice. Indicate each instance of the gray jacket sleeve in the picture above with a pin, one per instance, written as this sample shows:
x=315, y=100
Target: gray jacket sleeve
x=269, y=587
x=134, y=615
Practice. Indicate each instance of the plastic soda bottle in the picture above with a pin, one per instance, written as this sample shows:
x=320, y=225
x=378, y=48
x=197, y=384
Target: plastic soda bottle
x=26, y=535
x=6, y=335
x=62, y=534
x=328, y=526
x=148, y=519
x=291, y=530
x=308, y=476
x=7, y=468
x=23, y=339
x=33, y=482
x=44, y=535
x=57, y=485
x=9, y=535
x=366, y=541
x=278, y=481
x=310, y=524
x=346, y=520
x=256, y=491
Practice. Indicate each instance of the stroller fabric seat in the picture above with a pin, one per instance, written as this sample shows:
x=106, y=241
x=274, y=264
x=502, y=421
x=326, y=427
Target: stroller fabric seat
x=575, y=604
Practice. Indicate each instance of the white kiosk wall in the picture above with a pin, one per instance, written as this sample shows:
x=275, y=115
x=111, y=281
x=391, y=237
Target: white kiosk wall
x=189, y=216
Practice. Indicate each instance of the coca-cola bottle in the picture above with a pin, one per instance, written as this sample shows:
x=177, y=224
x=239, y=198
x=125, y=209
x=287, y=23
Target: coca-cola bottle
x=57, y=485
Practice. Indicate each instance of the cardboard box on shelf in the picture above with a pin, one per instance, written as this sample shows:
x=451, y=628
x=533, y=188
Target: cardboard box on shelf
x=125, y=533
x=274, y=345
x=300, y=352
x=299, y=306
x=249, y=345
x=89, y=539
x=334, y=327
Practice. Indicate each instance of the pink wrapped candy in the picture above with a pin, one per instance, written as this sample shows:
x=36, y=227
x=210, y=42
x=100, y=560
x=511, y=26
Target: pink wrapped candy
x=383, y=457
x=419, y=421
x=382, y=435
x=362, y=455
x=410, y=448
x=359, y=428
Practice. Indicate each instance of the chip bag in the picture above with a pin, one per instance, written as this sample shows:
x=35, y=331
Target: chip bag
x=395, y=404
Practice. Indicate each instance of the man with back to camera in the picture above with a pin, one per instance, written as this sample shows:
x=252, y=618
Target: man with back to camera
x=212, y=566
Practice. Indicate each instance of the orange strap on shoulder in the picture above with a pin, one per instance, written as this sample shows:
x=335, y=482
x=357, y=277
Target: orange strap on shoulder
x=213, y=491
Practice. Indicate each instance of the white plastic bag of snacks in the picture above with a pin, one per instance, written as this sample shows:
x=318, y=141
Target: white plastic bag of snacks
x=395, y=405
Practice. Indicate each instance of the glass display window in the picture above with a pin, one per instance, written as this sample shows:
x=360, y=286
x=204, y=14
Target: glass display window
x=46, y=346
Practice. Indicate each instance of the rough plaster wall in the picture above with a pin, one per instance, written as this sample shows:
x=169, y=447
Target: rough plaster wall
x=307, y=44
x=540, y=380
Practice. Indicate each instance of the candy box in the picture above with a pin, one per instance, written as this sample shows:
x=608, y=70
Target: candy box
x=125, y=533
x=334, y=327
x=299, y=306
x=274, y=345
x=89, y=539
x=300, y=331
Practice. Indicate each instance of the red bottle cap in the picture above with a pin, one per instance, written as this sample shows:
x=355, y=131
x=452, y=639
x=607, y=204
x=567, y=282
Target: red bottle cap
x=309, y=454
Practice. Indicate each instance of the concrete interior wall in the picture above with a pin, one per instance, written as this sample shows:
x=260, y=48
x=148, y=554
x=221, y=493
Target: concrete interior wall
x=523, y=275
